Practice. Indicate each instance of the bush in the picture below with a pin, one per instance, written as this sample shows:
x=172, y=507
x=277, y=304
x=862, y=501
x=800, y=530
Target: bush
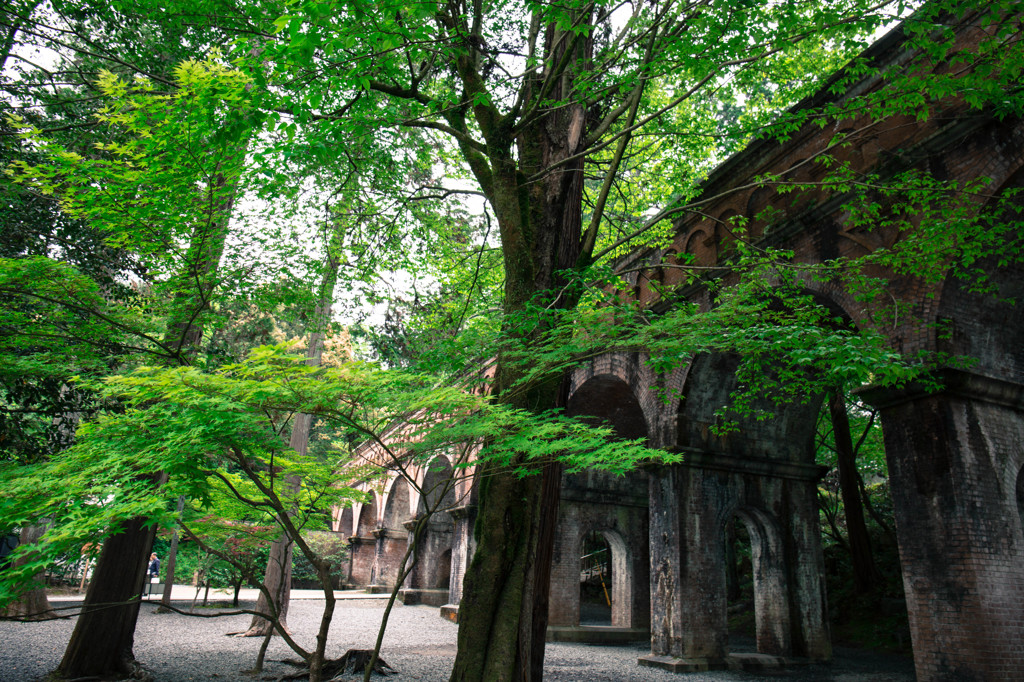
x=328, y=545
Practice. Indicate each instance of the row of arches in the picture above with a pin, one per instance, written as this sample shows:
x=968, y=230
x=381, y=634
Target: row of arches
x=380, y=530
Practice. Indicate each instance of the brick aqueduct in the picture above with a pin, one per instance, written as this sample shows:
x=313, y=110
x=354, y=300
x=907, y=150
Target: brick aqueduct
x=956, y=456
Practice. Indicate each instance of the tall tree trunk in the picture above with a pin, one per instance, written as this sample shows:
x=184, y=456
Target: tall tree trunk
x=504, y=610
x=172, y=560
x=278, y=576
x=278, y=581
x=104, y=636
x=33, y=605
x=865, y=573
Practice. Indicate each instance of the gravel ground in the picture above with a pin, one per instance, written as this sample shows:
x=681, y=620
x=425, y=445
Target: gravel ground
x=418, y=643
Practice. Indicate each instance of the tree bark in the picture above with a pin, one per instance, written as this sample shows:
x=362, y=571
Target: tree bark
x=33, y=605
x=104, y=636
x=278, y=581
x=504, y=610
x=865, y=573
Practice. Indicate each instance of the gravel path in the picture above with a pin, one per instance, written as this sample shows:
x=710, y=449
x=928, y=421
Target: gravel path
x=419, y=644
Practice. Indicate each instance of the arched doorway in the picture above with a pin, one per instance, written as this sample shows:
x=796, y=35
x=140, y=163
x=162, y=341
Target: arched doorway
x=595, y=581
x=362, y=546
x=760, y=589
x=392, y=537
x=431, y=576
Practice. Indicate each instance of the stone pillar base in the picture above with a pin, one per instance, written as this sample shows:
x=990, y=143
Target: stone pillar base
x=411, y=596
x=746, y=662
x=597, y=634
x=450, y=612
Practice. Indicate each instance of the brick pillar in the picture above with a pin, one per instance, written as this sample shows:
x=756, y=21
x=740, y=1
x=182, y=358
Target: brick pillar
x=564, y=596
x=391, y=546
x=954, y=461
x=363, y=551
x=688, y=602
x=666, y=605
x=703, y=601
x=805, y=563
x=462, y=548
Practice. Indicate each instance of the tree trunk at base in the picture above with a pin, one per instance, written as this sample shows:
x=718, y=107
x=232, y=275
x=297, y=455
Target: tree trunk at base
x=33, y=605
x=104, y=636
x=550, y=495
x=278, y=580
x=498, y=599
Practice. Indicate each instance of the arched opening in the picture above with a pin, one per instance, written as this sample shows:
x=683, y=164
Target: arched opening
x=438, y=491
x=443, y=571
x=595, y=580
x=759, y=597
x=343, y=523
x=396, y=510
x=739, y=586
x=609, y=400
x=606, y=580
x=367, y=518
x=434, y=550
x=362, y=547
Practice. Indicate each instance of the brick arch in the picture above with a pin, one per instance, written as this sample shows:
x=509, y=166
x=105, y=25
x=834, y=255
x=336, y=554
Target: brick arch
x=757, y=202
x=702, y=245
x=656, y=394
x=344, y=521
x=612, y=401
x=367, y=520
x=430, y=578
x=434, y=482
x=623, y=579
x=839, y=302
x=709, y=385
x=396, y=505
x=725, y=238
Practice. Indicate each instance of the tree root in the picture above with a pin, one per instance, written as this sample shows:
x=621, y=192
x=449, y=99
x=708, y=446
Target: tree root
x=352, y=661
x=256, y=631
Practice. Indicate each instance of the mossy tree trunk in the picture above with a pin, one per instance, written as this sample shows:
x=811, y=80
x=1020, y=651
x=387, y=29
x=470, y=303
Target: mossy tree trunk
x=104, y=635
x=33, y=605
x=538, y=204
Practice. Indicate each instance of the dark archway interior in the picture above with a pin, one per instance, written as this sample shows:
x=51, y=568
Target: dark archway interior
x=609, y=400
x=368, y=518
x=438, y=492
x=739, y=581
x=344, y=527
x=443, y=571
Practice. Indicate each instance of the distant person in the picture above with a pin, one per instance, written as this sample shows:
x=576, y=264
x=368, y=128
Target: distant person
x=153, y=572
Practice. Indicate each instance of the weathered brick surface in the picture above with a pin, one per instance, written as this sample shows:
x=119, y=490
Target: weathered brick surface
x=955, y=460
x=599, y=503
